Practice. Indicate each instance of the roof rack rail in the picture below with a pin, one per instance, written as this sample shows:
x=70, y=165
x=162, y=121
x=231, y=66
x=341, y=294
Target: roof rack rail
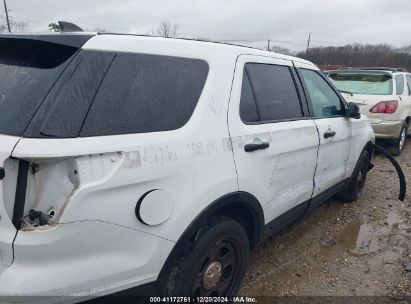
x=69, y=27
x=374, y=69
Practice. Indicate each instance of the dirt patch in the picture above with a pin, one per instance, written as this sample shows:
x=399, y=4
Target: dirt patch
x=357, y=249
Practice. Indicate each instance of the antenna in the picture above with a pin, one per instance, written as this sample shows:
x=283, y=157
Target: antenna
x=69, y=27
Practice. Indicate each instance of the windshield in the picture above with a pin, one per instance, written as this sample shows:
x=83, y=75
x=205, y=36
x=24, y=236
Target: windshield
x=28, y=70
x=368, y=84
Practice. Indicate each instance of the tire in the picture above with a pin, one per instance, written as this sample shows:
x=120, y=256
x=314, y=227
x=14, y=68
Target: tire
x=398, y=145
x=357, y=181
x=216, y=265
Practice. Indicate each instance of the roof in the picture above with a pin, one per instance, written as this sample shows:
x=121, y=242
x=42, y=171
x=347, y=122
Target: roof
x=113, y=41
x=131, y=42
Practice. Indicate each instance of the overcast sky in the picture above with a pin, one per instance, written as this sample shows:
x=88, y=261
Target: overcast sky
x=250, y=22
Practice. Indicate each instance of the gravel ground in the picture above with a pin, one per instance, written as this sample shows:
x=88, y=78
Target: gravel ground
x=357, y=249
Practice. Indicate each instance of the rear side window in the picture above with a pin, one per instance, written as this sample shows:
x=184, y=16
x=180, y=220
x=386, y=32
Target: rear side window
x=248, y=107
x=28, y=70
x=64, y=110
x=399, y=83
x=145, y=93
x=325, y=102
x=275, y=92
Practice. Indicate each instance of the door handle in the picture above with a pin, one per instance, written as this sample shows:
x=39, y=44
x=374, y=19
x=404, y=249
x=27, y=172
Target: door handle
x=329, y=134
x=254, y=147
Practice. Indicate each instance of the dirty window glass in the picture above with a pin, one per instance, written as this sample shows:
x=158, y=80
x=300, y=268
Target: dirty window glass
x=399, y=83
x=275, y=92
x=248, y=108
x=28, y=70
x=145, y=93
x=325, y=102
x=64, y=110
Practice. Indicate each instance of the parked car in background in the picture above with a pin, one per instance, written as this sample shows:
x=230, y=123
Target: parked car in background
x=157, y=163
x=384, y=95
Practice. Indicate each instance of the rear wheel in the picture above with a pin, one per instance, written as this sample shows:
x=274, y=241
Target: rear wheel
x=398, y=145
x=357, y=181
x=216, y=265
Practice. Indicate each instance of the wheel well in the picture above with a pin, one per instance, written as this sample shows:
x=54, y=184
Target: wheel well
x=369, y=147
x=407, y=120
x=239, y=206
x=242, y=214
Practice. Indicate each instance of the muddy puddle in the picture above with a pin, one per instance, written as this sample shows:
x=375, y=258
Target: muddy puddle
x=357, y=258
x=359, y=239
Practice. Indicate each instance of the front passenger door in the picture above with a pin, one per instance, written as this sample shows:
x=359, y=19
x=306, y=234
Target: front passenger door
x=327, y=110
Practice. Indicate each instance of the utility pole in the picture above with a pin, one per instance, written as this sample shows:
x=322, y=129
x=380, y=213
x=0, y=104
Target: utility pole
x=268, y=44
x=7, y=16
x=308, y=42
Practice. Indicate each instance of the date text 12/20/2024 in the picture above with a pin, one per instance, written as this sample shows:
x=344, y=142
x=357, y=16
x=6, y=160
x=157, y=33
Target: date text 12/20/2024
x=203, y=300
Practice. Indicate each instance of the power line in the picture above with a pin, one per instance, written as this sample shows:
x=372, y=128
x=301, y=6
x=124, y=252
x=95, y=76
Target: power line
x=308, y=42
x=7, y=16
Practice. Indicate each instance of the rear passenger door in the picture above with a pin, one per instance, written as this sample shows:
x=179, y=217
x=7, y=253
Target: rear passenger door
x=274, y=140
x=327, y=110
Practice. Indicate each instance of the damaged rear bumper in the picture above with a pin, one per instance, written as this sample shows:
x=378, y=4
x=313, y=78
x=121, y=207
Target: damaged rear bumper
x=81, y=259
x=387, y=129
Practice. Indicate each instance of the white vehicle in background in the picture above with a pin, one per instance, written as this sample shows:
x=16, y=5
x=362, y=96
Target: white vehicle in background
x=384, y=95
x=156, y=164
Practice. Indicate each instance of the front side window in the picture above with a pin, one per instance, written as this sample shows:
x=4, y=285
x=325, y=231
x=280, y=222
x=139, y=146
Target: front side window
x=325, y=102
x=275, y=92
x=399, y=83
x=363, y=83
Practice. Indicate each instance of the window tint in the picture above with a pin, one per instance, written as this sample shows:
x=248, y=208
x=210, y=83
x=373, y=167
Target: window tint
x=409, y=84
x=146, y=93
x=248, y=107
x=65, y=108
x=275, y=92
x=28, y=70
x=399, y=83
x=325, y=102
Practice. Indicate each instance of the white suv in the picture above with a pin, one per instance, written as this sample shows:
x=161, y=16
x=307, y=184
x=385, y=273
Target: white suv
x=384, y=95
x=156, y=164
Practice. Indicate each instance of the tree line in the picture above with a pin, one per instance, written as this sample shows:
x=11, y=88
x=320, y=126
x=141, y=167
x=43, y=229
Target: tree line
x=357, y=55
x=353, y=55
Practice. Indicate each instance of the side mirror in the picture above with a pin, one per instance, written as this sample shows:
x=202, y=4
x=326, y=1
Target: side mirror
x=353, y=111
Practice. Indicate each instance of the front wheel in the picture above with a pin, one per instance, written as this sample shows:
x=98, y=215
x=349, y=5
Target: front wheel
x=357, y=181
x=216, y=265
